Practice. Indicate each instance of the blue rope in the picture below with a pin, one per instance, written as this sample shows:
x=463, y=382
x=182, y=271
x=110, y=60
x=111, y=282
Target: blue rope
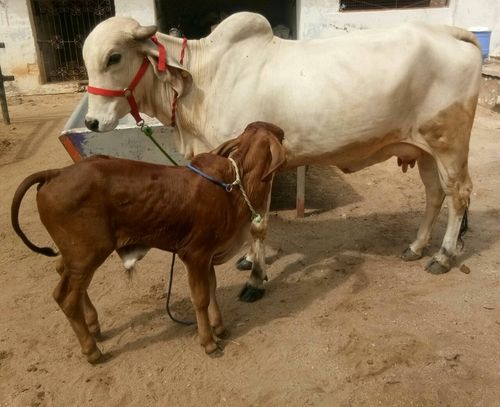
x=227, y=187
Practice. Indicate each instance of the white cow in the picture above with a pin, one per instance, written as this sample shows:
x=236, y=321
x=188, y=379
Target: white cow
x=350, y=101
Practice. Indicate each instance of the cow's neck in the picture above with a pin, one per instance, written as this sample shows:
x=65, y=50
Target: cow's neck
x=189, y=112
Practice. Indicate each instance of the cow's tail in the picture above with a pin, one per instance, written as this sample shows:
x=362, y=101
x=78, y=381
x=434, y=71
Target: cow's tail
x=37, y=178
x=463, y=35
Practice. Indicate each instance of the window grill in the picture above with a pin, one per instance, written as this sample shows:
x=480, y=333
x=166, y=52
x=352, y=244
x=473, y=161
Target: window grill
x=347, y=5
x=61, y=27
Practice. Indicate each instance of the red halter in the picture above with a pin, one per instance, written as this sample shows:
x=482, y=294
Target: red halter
x=128, y=91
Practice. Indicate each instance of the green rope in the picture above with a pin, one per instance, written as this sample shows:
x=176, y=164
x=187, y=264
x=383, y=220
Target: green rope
x=148, y=132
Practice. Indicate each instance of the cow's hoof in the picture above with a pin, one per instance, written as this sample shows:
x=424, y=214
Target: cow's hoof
x=95, y=357
x=250, y=293
x=410, y=255
x=221, y=332
x=243, y=264
x=434, y=267
x=214, y=350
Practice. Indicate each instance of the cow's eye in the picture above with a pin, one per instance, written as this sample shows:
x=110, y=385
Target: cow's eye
x=114, y=59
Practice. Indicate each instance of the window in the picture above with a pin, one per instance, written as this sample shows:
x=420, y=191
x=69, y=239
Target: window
x=347, y=5
x=61, y=26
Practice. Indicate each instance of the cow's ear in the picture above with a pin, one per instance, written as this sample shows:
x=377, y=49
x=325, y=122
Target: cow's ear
x=175, y=74
x=179, y=77
x=278, y=159
x=144, y=32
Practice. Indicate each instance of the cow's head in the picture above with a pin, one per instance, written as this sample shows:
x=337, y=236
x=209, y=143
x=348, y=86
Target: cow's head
x=113, y=53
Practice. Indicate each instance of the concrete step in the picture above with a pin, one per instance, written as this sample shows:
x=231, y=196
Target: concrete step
x=489, y=94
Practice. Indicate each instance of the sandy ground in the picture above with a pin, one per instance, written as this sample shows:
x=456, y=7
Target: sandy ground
x=344, y=322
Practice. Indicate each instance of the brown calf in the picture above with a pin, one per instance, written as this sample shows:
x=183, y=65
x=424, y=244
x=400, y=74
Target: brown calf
x=103, y=204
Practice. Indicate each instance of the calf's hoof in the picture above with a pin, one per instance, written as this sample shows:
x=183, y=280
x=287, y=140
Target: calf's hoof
x=250, y=293
x=243, y=264
x=410, y=255
x=434, y=267
x=95, y=331
x=94, y=357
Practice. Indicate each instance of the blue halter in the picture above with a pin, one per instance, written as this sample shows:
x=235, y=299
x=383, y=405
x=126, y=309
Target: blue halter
x=227, y=187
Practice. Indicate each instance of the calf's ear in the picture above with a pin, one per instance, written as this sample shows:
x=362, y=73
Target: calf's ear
x=227, y=148
x=278, y=159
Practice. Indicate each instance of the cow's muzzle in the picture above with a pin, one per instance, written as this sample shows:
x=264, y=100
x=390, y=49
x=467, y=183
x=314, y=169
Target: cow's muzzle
x=92, y=124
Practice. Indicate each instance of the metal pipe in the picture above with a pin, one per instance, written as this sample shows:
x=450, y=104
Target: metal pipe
x=3, y=96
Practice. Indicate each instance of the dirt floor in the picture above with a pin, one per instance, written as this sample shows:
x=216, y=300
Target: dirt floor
x=344, y=322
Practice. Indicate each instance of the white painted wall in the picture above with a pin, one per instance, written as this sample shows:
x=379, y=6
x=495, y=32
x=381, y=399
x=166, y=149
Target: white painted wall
x=143, y=11
x=321, y=18
x=468, y=13
x=315, y=18
x=19, y=58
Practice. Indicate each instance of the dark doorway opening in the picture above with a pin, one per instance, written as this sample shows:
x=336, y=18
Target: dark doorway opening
x=195, y=18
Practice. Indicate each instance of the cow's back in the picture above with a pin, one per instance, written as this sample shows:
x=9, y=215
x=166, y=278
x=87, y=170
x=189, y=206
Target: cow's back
x=329, y=93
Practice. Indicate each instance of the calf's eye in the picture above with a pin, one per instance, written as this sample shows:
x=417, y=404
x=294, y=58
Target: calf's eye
x=114, y=59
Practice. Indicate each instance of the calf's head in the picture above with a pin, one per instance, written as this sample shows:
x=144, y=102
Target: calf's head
x=258, y=149
x=113, y=53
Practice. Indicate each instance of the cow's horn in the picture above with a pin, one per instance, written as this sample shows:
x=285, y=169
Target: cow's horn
x=144, y=32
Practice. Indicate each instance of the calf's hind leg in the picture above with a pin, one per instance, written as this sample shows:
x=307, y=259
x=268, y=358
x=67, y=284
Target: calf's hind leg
x=90, y=313
x=69, y=294
x=214, y=313
x=198, y=267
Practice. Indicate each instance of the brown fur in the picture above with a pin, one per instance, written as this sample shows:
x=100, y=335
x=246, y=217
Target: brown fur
x=448, y=134
x=103, y=204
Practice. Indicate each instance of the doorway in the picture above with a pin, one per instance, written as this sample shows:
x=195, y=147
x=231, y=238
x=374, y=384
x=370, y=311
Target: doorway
x=195, y=18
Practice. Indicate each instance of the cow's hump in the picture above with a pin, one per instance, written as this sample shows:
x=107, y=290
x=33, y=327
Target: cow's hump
x=240, y=26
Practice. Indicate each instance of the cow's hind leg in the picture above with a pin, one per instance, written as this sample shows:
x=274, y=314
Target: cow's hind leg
x=458, y=200
x=253, y=290
x=448, y=135
x=434, y=195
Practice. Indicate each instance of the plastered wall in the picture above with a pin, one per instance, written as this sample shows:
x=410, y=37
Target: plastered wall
x=322, y=18
x=19, y=58
x=315, y=18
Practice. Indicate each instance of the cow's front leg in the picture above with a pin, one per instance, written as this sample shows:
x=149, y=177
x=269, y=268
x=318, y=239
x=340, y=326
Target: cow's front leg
x=245, y=263
x=254, y=288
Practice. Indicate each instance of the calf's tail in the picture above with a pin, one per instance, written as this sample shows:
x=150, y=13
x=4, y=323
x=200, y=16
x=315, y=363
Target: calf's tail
x=37, y=178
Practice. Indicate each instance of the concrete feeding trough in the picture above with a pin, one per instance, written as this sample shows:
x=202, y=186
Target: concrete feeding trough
x=125, y=141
